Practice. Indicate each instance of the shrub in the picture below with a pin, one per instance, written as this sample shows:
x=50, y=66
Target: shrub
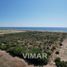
x=60, y=63
x=57, y=52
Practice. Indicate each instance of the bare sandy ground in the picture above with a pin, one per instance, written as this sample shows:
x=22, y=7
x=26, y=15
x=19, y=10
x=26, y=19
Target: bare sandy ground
x=63, y=51
x=10, y=31
x=8, y=61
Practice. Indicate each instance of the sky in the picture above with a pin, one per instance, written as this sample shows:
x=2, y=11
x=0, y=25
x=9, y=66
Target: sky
x=33, y=13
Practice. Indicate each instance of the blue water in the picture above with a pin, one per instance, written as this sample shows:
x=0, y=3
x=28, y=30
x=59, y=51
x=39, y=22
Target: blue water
x=51, y=29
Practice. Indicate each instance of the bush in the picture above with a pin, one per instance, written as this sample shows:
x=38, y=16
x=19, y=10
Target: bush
x=61, y=44
x=57, y=52
x=60, y=63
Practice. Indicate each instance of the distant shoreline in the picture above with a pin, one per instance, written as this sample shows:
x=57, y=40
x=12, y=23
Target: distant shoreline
x=48, y=29
x=8, y=31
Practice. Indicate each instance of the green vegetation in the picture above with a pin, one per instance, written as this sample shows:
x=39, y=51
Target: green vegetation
x=60, y=63
x=31, y=42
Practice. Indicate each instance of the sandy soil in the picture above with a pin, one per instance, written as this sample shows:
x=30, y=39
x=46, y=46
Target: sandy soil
x=10, y=31
x=63, y=51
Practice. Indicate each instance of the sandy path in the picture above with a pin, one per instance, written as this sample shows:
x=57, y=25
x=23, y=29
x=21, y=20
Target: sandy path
x=63, y=51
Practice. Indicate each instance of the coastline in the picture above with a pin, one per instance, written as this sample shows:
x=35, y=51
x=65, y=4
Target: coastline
x=41, y=29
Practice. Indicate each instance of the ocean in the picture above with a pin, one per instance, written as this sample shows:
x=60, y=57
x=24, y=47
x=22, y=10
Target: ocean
x=50, y=29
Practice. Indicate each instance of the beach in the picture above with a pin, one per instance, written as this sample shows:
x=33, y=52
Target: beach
x=10, y=31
